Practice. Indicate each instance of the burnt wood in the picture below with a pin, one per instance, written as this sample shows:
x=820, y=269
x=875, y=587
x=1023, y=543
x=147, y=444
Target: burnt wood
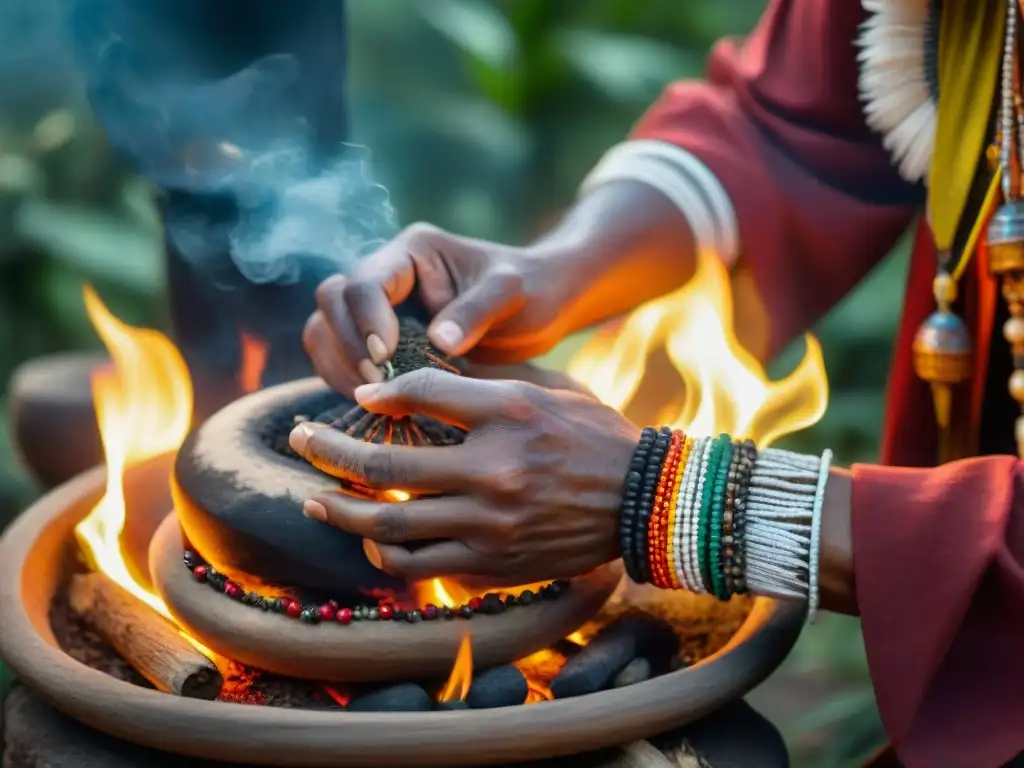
x=152, y=645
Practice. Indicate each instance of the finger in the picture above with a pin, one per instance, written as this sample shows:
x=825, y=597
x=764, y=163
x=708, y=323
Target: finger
x=431, y=249
x=330, y=299
x=384, y=280
x=458, y=400
x=461, y=324
x=452, y=517
x=446, y=558
x=329, y=362
x=382, y=467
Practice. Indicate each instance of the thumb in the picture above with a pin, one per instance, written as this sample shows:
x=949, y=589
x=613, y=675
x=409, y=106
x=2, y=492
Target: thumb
x=458, y=327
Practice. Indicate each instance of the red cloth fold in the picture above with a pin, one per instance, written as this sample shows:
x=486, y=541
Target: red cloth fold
x=939, y=562
x=780, y=123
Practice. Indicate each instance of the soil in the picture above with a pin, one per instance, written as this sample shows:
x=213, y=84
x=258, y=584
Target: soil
x=703, y=625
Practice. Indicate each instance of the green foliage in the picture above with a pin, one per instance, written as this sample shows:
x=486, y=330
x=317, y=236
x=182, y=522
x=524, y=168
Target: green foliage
x=483, y=116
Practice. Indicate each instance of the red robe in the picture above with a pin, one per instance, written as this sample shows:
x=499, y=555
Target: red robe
x=939, y=552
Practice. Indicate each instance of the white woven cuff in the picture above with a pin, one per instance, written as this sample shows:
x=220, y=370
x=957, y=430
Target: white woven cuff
x=683, y=179
x=783, y=525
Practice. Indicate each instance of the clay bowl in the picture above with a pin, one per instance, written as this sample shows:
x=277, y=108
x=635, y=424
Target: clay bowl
x=364, y=651
x=35, y=554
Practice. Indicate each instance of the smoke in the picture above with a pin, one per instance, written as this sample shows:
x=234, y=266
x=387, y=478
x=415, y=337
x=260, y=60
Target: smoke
x=228, y=128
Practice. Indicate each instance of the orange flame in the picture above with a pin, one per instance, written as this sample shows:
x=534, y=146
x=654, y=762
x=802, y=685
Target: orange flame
x=724, y=388
x=144, y=408
x=457, y=687
x=254, y=360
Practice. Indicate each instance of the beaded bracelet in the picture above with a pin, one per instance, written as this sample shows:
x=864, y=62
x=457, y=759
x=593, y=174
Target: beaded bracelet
x=629, y=510
x=715, y=516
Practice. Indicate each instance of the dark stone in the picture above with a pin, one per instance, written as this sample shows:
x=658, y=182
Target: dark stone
x=638, y=670
x=498, y=687
x=595, y=666
x=404, y=697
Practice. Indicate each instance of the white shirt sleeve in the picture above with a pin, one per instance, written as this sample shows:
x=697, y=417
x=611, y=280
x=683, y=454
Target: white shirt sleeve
x=683, y=179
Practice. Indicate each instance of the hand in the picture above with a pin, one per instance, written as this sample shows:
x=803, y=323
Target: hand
x=533, y=493
x=497, y=301
x=530, y=373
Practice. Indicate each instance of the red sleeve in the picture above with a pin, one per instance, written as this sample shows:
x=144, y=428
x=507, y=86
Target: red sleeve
x=939, y=563
x=779, y=122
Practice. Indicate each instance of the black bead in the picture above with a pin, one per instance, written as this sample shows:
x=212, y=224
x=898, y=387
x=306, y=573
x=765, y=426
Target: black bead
x=398, y=615
x=526, y=597
x=310, y=615
x=491, y=604
x=414, y=616
x=466, y=612
x=447, y=612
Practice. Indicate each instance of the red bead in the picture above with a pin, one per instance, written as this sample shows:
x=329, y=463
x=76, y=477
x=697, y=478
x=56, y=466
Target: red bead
x=233, y=590
x=475, y=603
x=200, y=572
x=386, y=611
x=294, y=610
x=429, y=611
x=343, y=616
x=327, y=612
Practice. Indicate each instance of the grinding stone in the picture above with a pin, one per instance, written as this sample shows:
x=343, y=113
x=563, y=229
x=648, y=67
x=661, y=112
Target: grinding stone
x=239, y=498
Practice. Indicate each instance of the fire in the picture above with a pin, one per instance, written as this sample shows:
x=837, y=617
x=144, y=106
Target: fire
x=254, y=360
x=724, y=388
x=457, y=687
x=143, y=406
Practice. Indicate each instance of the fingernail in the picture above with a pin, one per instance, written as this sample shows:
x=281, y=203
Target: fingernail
x=375, y=346
x=369, y=371
x=447, y=335
x=372, y=554
x=366, y=392
x=315, y=510
x=299, y=437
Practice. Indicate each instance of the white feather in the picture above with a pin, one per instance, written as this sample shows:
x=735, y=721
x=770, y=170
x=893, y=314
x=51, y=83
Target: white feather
x=894, y=85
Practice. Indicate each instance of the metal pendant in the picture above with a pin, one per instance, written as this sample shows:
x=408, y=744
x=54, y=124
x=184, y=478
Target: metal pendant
x=1005, y=239
x=942, y=357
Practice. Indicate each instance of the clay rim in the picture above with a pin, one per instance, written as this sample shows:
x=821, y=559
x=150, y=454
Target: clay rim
x=307, y=739
x=364, y=651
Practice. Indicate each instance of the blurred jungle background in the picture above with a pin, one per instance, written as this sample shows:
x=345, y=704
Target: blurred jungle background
x=482, y=116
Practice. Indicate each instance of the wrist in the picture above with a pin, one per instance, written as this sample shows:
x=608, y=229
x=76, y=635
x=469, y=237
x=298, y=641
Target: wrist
x=716, y=516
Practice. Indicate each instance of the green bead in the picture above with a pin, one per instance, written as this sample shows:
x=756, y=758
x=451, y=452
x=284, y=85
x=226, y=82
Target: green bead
x=704, y=520
x=717, y=518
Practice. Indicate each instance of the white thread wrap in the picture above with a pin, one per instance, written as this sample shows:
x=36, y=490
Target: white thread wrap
x=783, y=525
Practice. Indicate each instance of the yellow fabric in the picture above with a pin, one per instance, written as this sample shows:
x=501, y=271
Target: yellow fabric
x=972, y=241
x=970, y=52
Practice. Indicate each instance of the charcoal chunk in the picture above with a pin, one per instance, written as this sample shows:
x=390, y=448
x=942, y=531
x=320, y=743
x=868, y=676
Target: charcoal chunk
x=404, y=697
x=638, y=670
x=595, y=666
x=498, y=687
